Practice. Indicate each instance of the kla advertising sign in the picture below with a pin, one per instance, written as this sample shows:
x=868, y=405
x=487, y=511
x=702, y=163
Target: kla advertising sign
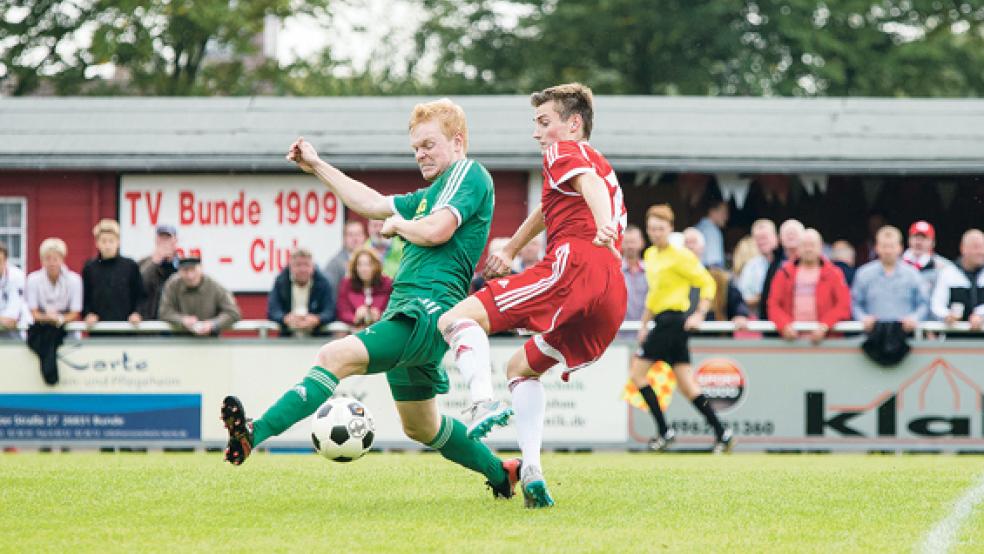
x=779, y=396
x=937, y=401
x=243, y=226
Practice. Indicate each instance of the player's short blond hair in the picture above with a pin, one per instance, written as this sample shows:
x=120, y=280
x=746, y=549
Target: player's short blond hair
x=53, y=245
x=106, y=226
x=450, y=115
x=661, y=211
x=571, y=98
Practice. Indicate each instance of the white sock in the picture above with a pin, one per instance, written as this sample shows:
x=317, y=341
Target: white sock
x=470, y=346
x=529, y=403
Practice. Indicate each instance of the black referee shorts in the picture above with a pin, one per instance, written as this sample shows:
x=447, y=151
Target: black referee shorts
x=667, y=341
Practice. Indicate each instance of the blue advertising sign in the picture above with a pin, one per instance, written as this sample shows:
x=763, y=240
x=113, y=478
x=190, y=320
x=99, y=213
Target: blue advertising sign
x=119, y=417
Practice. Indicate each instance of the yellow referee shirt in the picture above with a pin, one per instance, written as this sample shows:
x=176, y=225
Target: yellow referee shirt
x=671, y=273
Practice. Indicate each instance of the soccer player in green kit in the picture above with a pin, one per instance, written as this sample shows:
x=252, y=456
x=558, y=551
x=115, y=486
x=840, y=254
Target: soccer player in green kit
x=445, y=226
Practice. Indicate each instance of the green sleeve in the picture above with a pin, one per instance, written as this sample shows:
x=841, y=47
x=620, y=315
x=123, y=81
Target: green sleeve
x=406, y=204
x=466, y=194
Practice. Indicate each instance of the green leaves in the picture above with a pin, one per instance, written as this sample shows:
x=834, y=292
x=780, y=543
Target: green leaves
x=717, y=47
x=730, y=47
x=160, y=47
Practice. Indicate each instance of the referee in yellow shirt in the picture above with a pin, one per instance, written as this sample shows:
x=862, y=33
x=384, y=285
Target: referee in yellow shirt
x=672, y=272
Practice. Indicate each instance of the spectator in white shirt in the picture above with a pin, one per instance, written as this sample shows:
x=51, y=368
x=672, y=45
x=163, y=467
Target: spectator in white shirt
x=959, y=291
x=11, y=295
x=921, y=254
x=54, y=292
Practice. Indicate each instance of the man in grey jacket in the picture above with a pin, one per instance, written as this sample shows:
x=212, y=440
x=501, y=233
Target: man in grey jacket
x=197, y=303
x=157, y=268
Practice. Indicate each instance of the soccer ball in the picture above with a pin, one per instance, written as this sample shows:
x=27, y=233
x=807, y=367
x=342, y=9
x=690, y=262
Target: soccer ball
x=342, y=430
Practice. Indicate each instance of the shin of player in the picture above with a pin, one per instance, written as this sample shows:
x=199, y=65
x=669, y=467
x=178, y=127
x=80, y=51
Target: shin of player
x=445, y=226
x=575, y=297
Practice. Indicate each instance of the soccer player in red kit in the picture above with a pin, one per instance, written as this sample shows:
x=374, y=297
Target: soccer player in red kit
x=575, y=298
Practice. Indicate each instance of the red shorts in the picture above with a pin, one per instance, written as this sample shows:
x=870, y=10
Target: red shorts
x=575, y=297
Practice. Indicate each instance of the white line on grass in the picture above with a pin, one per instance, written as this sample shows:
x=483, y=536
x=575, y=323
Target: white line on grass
x=944, y=533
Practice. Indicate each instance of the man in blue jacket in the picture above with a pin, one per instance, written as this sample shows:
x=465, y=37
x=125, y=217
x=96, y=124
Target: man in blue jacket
x=301, y=300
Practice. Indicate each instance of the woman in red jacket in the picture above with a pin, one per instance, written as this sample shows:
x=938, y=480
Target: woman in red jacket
x=363, y=294
x=810, y=288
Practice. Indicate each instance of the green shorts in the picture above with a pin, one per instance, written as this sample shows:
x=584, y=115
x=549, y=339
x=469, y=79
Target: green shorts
x=408, y=347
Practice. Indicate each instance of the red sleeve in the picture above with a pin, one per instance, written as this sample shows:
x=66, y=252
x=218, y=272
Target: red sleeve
x=563, y=161
x=841, y=299
x=345, y=310
x=780, y=293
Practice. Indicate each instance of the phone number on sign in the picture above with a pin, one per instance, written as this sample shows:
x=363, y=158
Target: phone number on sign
x=738, y=427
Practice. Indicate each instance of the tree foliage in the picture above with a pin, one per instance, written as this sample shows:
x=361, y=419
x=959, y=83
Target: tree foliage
x=718, y=47
x=158, y=47
x=732, y=47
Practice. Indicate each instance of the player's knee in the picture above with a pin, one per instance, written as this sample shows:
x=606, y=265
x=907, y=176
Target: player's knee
x=518, y=367
x=419, y=431
x=328, y=356
x=332, y=357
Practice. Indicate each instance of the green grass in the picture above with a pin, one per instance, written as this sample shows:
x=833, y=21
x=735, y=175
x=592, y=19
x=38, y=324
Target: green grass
x=422, y=503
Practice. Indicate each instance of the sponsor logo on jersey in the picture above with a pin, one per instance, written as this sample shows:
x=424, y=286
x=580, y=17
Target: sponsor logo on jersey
x=422, y=207
x=503, y=283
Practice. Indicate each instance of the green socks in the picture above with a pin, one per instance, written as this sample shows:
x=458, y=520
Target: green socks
x=453, y=443
x=319, y=385
x=296, y=404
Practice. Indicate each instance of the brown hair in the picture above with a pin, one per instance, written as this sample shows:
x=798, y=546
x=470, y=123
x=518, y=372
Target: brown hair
x=450, y=115
x=571, y=98
x=3, y=249
x=660, y=211
x=377, y=268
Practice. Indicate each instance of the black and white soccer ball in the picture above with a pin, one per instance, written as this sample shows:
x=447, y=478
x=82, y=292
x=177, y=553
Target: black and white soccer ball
x=342, y=429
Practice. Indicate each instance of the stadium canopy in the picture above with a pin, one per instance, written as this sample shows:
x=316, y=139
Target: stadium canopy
x=652, y=133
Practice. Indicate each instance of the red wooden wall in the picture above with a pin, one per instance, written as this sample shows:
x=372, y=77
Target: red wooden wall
x=68, y=204
x=65, y=205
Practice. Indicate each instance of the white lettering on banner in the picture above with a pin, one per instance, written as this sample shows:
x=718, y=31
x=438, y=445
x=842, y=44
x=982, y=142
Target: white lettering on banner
x=243, y=226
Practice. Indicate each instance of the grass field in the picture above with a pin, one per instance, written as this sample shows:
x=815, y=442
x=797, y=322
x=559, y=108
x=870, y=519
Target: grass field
x=421, y=503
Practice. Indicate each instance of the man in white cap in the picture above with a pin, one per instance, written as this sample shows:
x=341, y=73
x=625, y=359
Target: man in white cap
x=921, y=255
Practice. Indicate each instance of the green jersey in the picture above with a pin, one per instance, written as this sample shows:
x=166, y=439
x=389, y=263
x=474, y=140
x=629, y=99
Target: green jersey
x=439, y=277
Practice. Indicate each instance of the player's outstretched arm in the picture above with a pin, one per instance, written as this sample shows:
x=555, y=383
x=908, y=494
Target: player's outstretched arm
x=354, y=194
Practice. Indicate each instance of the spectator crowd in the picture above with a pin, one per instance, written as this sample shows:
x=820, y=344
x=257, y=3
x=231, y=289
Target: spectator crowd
x=784, y=275
x=791, y=274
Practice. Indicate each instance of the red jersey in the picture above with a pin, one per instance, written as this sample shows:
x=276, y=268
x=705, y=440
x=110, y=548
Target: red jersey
x=565, y=212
